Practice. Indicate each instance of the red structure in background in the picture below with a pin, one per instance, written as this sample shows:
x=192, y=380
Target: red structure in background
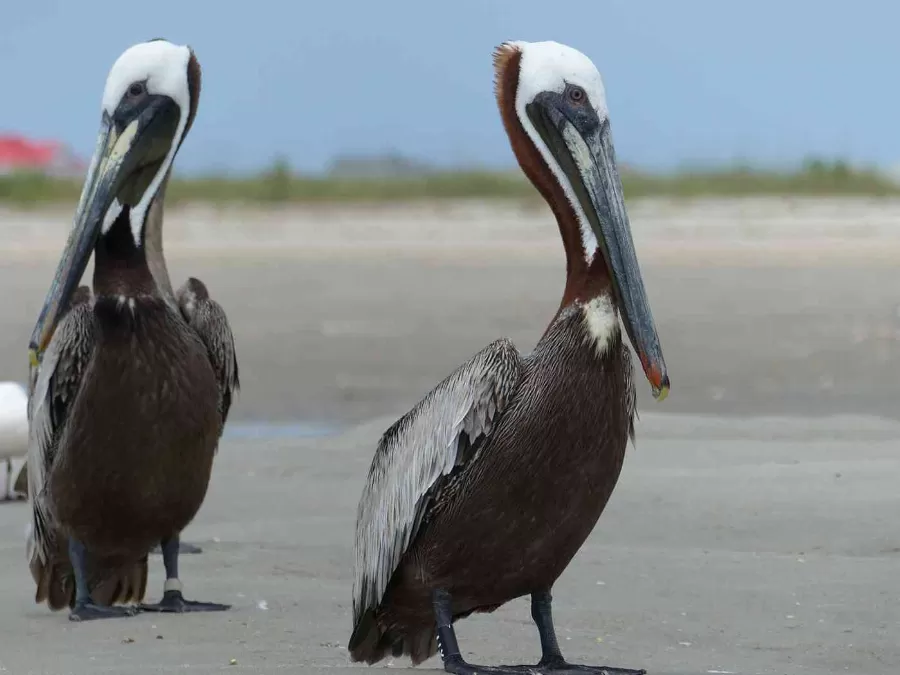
x=18, y=153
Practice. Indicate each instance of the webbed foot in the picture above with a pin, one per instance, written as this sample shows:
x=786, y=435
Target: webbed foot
x=88, y=611
x=174, y=602
x=459, y=667
x=561, y=667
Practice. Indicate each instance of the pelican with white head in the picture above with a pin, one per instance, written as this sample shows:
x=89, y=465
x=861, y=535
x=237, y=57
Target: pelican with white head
x=560, y=102
x=130, y=387
x=149, y=102
x=487, y=488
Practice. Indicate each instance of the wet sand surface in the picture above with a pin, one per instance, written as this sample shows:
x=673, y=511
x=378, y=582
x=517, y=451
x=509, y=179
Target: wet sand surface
x=753, y=530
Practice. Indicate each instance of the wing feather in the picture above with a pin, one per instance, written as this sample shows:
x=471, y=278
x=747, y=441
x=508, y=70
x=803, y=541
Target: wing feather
x=443, y=431
x=53, y=389
x=209, y=321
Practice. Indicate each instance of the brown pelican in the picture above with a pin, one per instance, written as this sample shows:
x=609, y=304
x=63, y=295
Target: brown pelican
x=133, y=382
x=487, y=488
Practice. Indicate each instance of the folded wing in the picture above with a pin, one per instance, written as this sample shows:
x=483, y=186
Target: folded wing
x=208, y=319
x=446, y=430
x=53, y=388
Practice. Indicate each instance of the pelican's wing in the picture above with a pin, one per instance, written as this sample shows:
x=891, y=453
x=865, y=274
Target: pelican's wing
x=444, y=431
x=208, y=320
x=53, y=388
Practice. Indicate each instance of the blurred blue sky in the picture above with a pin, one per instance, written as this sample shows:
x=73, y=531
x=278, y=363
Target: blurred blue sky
x=689, y=81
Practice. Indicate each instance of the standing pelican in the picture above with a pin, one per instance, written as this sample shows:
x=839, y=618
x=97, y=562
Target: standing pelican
x=487, y=488
x=133, y=387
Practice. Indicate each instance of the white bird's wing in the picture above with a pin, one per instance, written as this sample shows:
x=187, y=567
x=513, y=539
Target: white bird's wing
x=444, y=431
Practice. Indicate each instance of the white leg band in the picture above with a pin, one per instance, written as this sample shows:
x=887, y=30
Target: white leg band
x=172, y=585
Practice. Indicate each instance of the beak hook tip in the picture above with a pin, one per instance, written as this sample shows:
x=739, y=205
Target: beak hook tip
x=661, y=392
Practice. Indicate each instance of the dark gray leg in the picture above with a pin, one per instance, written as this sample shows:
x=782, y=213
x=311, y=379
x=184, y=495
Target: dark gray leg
x=173, y=600
x=551, y=662
x=184, y=548
x=543, y=618
x=448, y=647
x=551, y=657
x=85, y=609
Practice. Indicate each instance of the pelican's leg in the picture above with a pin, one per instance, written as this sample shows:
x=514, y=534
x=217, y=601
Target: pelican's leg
x=448, y=647
x=551, y=662
x=85, y=609
x=184, y=548
x=173, y=600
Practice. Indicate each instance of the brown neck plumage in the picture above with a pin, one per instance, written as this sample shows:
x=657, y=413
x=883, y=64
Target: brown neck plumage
x=120, y=265
x=583, y=281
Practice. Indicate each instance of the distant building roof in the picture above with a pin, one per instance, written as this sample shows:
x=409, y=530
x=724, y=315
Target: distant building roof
x=18, y=153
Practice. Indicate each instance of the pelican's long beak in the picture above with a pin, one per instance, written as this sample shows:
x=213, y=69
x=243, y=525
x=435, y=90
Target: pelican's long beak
x=589, y=161
x=130, y=147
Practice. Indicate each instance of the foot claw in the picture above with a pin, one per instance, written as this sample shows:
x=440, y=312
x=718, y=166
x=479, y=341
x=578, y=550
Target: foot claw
x=88, y=611
x=174, y=602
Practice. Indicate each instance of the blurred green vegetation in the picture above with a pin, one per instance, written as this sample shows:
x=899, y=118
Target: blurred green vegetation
x=279, y=184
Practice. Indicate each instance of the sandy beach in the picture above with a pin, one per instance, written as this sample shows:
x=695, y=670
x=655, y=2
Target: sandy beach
x=753, y=530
